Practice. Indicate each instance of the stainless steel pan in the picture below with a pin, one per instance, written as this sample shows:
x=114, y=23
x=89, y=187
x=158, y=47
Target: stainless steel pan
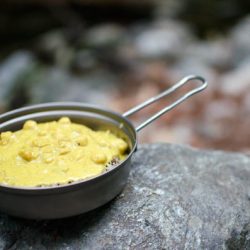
x=79, y=197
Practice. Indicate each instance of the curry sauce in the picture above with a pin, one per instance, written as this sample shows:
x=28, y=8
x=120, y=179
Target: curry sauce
x=57, y=152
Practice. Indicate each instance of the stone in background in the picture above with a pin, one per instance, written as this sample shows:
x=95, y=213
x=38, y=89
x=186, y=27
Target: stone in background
x=120, y=62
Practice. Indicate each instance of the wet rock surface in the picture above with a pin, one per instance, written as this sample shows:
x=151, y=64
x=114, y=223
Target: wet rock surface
x=176, y=198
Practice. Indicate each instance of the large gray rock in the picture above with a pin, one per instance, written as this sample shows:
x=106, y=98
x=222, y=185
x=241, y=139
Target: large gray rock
x=176, y=198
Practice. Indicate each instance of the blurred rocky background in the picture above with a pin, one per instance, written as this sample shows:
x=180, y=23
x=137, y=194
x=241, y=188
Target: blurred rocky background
x=119, y=53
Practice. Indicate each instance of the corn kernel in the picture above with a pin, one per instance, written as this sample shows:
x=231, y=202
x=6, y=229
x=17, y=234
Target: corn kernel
x=30, y=124
x=6, y=137
x=99, y=158
x=121, y=145
x=64, y=120
x=28, y=155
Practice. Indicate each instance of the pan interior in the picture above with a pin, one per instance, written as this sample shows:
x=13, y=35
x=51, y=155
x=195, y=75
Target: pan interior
x=95, y=118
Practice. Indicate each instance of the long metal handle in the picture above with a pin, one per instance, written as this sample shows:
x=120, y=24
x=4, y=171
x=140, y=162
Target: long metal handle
x=179, y=84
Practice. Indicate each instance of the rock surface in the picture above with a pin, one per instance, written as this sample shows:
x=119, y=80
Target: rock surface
x=176, y=198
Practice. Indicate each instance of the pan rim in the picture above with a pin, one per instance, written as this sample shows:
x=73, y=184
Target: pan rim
x=75, y=184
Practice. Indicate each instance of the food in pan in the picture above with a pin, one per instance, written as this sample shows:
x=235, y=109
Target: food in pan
x=56, y=152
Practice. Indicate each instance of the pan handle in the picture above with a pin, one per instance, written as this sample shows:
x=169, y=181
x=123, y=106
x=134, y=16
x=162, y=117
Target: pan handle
x=176, y=86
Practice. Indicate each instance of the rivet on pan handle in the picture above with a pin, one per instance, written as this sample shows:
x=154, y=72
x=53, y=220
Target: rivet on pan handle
x=179, y=84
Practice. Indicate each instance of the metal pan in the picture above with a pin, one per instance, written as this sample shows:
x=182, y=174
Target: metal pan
x=82, y=196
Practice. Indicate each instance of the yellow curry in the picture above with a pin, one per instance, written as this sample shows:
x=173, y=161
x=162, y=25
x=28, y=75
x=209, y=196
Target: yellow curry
x=56, y=152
